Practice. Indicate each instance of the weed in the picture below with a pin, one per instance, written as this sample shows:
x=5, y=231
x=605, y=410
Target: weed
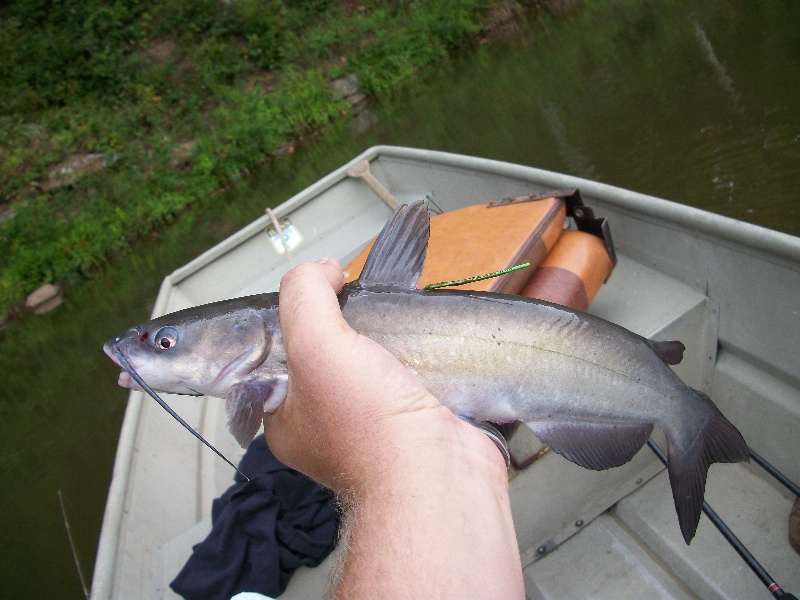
x=139, y=82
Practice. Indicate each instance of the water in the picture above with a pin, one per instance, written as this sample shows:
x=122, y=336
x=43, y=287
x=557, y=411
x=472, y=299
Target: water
x=697, y=104
x=700, y=106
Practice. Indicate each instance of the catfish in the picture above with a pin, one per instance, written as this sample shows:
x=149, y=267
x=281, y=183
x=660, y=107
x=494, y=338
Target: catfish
x=591, y=390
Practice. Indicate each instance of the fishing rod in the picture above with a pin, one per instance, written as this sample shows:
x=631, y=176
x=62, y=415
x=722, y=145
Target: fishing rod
x=790, y=485
x=734, y=541
x=72, y=544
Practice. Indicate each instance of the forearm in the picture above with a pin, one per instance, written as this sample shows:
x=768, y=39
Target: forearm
x=437, y=526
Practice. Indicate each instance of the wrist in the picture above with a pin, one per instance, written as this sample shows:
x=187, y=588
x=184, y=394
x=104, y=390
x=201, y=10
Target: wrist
x=434, y=448
x=444, y=494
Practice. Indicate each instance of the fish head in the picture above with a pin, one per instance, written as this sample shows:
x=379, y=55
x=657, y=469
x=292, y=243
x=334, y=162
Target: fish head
x=196, y=351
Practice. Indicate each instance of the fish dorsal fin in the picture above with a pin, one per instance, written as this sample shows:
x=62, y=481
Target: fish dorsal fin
x=398, y=254
x=670, y=352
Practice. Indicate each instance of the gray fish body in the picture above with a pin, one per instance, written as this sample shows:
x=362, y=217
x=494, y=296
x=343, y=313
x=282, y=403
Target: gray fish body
x=502, y=358
x=591, y=390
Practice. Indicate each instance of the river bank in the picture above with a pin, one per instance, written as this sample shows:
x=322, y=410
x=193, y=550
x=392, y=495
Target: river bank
x=118, y=118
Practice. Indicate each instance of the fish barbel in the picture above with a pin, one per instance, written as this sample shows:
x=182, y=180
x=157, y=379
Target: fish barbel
x=589, y=389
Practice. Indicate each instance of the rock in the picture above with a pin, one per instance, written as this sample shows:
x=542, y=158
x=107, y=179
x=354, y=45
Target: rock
x=501, y=22
x=344, y=87
x=358, y=102
x=161, y=51
x=44, y=299
x=285, y=149
x=363, y=122
x=34, y=131
x=75, y=167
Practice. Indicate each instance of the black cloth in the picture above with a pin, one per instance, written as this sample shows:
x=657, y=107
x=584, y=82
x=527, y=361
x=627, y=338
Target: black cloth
x=262, y=531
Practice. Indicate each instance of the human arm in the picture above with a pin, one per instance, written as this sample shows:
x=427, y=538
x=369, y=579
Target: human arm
x=427, y=494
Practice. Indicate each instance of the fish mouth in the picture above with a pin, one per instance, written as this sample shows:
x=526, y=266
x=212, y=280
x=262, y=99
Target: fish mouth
x=113, y=351
x=126, y=381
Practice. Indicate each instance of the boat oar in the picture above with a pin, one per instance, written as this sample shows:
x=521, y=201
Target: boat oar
x=737, y=545
x=361, y=171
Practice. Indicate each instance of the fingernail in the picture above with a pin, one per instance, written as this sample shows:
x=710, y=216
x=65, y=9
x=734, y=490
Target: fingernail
x=322, y=261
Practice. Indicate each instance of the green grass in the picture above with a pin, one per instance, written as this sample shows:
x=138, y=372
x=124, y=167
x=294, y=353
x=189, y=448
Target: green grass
x=183, y=96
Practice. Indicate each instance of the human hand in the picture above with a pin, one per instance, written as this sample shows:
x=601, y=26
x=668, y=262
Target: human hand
x=352, y=410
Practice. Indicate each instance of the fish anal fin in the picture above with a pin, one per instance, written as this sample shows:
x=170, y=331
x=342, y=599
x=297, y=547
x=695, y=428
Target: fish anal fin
x=245, y=404
x=671, y=352
x=718, y=441
x=595, y=445
x=398, y=254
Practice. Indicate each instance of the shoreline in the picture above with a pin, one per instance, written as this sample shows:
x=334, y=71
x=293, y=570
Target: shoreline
x=94, y=206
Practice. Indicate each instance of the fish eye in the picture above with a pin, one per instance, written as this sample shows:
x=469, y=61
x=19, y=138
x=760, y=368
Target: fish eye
x=165, y=338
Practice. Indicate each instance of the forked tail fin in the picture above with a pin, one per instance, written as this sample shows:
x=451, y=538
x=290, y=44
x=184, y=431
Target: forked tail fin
x=718, y=441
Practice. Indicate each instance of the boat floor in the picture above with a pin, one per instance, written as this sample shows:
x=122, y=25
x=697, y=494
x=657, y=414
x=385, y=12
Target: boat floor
x=615, y=534
x=635, y=550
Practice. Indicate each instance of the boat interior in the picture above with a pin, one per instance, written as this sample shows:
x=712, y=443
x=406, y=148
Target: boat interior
x=581, y=533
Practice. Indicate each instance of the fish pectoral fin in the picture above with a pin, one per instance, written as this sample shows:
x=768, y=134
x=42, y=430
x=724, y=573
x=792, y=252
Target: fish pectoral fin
x=245, y=407
x=398, y=255
x=595, y=445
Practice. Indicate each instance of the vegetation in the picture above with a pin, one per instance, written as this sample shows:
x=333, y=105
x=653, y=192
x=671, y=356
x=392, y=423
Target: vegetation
x=171, y=100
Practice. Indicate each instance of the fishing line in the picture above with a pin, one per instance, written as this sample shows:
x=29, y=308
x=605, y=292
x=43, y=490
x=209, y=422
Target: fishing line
x=123, y=362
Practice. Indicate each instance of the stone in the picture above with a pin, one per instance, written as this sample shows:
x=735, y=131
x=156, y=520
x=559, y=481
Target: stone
x=363, y=122
x=345, y=86
x=44, y=299
x=358, y=102
x=7, y=213
x=75, y=167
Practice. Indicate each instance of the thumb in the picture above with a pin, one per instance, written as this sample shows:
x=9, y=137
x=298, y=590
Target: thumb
x=309, y=308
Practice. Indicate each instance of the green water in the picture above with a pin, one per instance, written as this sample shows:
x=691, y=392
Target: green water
x=695, y=103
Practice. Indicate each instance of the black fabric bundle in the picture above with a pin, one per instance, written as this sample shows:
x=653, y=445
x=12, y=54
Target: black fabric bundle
x=262, y=531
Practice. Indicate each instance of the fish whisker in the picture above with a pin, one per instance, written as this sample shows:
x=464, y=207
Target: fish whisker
x=123, y=362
